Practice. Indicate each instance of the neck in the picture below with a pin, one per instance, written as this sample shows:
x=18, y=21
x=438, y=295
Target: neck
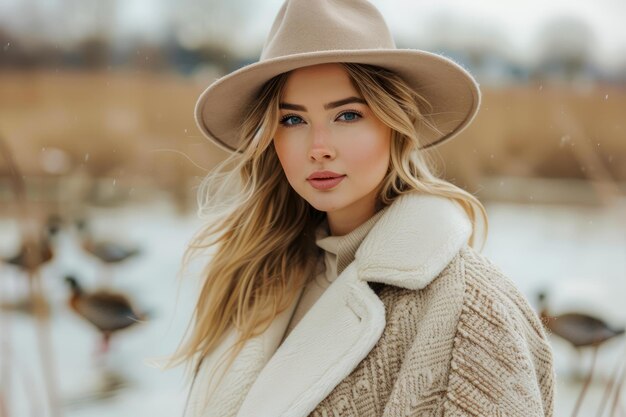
x=345, y=221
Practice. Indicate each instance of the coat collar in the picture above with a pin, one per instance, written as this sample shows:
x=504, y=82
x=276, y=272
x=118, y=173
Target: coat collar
x=411, y=243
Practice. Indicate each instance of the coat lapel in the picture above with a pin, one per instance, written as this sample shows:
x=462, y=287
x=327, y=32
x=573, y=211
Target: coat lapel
x=230, y=393
x=325, y=346
x=413, y=241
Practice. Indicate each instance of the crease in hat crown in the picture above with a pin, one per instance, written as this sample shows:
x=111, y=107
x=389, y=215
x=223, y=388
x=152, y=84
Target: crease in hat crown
x=326, y=25
x=310, y=32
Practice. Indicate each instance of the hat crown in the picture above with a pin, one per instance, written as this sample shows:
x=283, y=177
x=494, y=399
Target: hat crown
x=303, y=26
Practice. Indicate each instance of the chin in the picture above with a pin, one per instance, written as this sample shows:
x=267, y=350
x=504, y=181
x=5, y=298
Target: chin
x=328, y=206
x=324, y=204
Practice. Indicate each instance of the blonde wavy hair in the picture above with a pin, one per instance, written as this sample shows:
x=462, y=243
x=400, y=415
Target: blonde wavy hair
x=263, y=256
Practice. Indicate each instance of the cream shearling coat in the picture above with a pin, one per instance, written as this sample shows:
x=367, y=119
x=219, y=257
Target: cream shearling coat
x=418, y=324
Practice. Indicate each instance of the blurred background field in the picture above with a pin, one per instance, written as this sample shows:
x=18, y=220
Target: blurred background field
x=96, y=110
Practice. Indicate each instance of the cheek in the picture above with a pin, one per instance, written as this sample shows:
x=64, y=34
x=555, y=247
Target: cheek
x=371, y=155
x=288, y=157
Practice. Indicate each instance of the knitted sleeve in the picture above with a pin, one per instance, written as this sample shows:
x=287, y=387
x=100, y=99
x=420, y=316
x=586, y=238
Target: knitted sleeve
x=502, y=363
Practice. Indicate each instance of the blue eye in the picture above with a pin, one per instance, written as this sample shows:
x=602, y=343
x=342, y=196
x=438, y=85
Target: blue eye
x=289, y=120
x=350, y=116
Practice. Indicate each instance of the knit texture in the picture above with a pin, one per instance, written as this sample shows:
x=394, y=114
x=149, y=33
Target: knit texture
x=468, y=344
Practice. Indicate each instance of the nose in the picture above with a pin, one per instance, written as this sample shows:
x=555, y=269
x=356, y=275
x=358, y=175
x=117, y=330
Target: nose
x=321, y=147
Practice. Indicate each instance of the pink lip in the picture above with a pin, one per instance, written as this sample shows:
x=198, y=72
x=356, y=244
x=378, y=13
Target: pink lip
x=323, y=175
x=325, y=183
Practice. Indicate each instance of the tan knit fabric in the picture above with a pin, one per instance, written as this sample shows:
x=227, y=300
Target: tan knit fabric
x=345, y=246
x=468, y=344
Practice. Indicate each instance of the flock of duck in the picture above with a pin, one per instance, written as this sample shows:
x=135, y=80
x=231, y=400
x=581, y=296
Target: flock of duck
x=107, y=310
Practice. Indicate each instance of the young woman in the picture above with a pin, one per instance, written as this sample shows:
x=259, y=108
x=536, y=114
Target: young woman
x=345, y=279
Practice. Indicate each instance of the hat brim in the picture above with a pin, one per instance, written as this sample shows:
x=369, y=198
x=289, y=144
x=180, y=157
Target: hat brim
x=451, y=91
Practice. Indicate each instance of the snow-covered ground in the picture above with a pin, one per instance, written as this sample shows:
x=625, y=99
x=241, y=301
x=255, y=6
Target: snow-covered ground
x=149, y=279
x=577, y=253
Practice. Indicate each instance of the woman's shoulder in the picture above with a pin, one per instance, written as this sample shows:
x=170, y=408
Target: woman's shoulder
x=488, y=288
x=499, y=342
x=475, y=337
x=471, y=282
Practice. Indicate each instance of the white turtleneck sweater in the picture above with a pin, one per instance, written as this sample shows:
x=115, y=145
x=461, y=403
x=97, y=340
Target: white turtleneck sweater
x=338, y=254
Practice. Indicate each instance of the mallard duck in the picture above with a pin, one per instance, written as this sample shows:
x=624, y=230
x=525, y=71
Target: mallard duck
x=108, y=311
x=43, y=248
x=32, y=256
x=580, y=330
x=107, y=251
x=26, y=260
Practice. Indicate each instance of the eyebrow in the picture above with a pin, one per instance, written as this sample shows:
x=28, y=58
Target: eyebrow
x=327, y=106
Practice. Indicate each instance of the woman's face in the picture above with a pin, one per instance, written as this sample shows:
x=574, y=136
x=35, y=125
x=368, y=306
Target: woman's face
x=333, y=149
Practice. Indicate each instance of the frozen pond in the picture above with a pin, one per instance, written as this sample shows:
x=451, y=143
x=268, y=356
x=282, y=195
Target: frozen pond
x=577, y=253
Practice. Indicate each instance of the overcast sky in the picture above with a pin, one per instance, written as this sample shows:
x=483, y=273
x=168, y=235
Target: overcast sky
x=419, y=23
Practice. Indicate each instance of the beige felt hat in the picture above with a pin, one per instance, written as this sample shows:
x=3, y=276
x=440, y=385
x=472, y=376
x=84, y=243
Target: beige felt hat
x=309, y=32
